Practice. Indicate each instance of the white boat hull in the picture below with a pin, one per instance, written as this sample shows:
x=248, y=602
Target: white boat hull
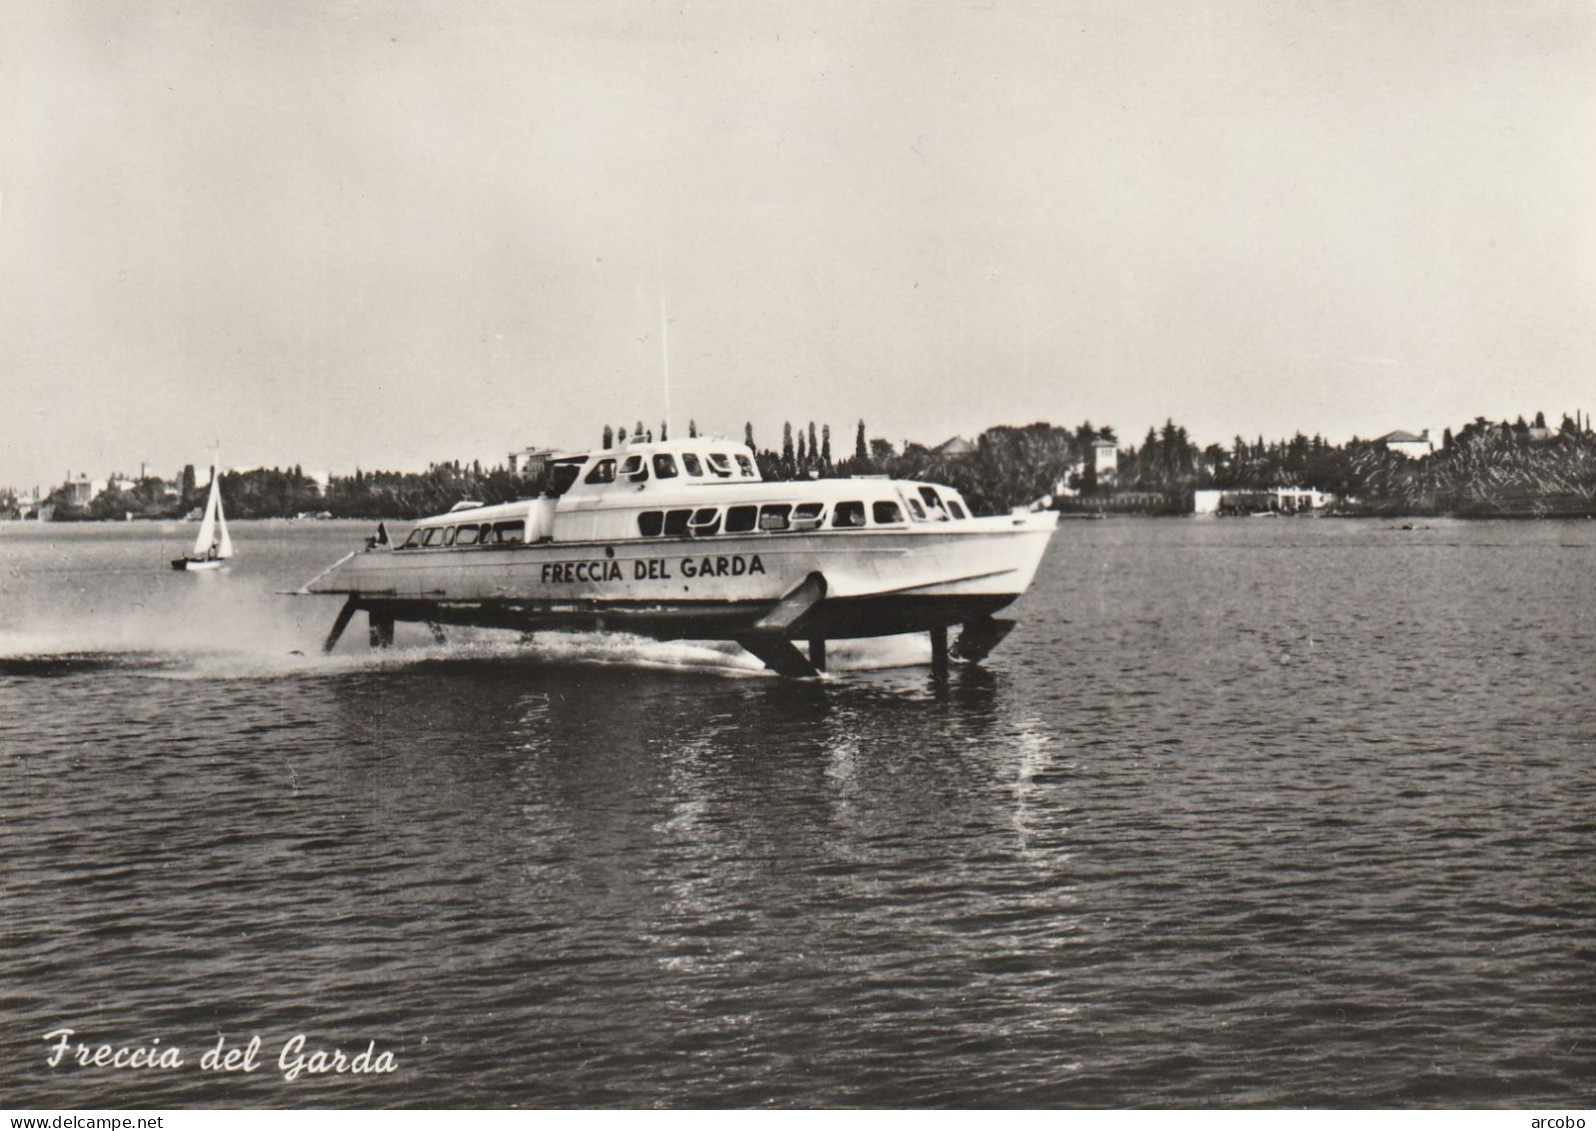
x=875, y=583
x=193, y=564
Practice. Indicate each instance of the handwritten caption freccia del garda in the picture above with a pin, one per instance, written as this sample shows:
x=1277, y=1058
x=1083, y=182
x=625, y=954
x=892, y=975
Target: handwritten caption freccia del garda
x=295, y=1059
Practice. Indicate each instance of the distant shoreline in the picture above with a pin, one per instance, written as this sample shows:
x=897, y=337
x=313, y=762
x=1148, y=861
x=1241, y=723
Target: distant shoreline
x=1067, y=516
x=1486, y=470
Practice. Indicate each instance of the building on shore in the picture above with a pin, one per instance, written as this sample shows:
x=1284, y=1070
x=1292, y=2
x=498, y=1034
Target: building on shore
x=1122, y=501
x=1102, y=461
x=530, y=463
x=1105, y=458
x=19, y=505
x=954, y=448
x=1407, y=444
x=1266, y=500
x=80, y=490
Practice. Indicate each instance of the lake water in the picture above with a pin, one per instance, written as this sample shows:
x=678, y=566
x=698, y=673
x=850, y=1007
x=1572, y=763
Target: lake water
x=1244, y=812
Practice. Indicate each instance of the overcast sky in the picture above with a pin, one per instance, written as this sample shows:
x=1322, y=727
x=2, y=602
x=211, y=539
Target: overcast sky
x=381, y=234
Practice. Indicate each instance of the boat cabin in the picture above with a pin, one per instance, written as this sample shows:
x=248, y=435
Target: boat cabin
x=663, y=464
x=693, y=488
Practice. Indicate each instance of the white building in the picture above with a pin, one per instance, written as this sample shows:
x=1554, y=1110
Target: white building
x=1206, y=501
x=1105, y=459
x=528, y=463
x=954, y=448
x=1105, y=466
x=80, y=490
x=1289, y=500
x=1407, y=444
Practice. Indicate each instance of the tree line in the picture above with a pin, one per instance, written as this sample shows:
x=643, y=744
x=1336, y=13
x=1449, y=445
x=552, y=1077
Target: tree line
x=1486, y=468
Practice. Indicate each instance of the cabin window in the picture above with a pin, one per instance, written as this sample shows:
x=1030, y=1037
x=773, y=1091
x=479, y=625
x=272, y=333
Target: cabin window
x=467, y=536
x=916, y=509
x=510, y=533
x=848, y=514
x=448, y=536
x=561, y=476
x=740, y=520
x=650, y=523
x=705, y=521
x=676, y=523
x=432, y=536
x=603, y=472
x=773, y=516
x=746, y=465
x=955, y=509
x=885, y=512
x=414, y=540
x=665, y=466
x=720, y=464
x=635, y=469
x=691, y=465
x=933, y=503
x=806, y=516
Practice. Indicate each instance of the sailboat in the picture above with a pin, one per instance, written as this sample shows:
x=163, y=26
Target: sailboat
x=212, y=546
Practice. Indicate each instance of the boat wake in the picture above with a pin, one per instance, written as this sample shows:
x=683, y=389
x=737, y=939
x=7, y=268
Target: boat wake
x=179, y=656
x=721, y=657
x=55, y=664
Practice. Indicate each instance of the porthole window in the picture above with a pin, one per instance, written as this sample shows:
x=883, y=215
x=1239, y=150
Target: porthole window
x=692, y=466
x=650, y=523
x=740, y=520
x=665, y=465
x=676, y=523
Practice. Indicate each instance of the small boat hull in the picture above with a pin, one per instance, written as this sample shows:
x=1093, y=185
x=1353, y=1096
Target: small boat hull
x=193, y=564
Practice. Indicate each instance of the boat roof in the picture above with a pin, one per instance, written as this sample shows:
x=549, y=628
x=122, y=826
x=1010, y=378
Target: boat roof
x=734, y=479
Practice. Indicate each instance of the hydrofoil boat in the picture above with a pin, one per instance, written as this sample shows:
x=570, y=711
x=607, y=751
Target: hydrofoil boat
x=683, y=539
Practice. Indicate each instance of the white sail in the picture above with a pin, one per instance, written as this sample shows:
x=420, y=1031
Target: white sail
x=207, y=530
x=224, y=548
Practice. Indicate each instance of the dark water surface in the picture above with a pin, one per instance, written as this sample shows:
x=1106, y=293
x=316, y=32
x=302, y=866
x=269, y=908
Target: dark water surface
x=1244, y=813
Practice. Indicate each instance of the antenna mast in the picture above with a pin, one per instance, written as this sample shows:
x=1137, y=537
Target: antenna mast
x=665, y=355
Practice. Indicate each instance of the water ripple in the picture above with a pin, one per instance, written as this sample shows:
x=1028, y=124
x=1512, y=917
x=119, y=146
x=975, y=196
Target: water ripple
x=1271, y=814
